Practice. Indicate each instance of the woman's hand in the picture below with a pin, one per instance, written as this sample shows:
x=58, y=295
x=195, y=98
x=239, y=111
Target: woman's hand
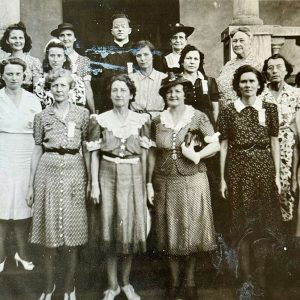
x=95, y=193
x=29, y=196
x=223, y=189
x=278, y=184
x=150, y=193
x=190, y=153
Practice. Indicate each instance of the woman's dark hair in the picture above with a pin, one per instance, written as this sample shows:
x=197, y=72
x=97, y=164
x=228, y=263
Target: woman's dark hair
x=12, y=61
x=288, y=66
x=183, y=54
x=125, y=78
x=19, y=26
x=247, y=69
x=54, y=44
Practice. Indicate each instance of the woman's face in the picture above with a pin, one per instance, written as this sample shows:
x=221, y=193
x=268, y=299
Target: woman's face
x=178, y=41
x=191, y=62
x=144, y=58
x=16, y=40
x=248, y=85
x=56, y=57
x=60, y=89
x=241, y=44
x=68, y=38
x=13, y=76
x=120, y=94
x=276, y=70
x=175, y=96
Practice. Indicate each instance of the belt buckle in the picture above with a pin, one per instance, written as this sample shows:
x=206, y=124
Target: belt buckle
x=117, y=160
x=174, y=156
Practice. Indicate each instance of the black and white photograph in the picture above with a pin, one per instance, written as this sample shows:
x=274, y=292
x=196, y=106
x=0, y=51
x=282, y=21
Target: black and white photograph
x=149, y=149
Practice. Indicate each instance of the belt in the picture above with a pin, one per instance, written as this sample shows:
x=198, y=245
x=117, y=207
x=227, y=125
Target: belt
x=252, y=147
x=119, y=160
x=63, y=151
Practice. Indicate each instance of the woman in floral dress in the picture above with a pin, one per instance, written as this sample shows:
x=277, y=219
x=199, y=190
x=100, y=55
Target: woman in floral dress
x=287, y=98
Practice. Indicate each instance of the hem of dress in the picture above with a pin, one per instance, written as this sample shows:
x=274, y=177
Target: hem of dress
x=57, y=245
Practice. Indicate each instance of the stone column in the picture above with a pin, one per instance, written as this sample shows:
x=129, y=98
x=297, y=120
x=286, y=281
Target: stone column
x=9, y=14
x=246, y=12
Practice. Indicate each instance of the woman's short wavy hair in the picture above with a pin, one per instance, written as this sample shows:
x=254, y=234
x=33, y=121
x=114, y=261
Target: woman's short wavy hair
x=19, y=26
x=288, y=66
x=55, y=44
x=247, y=69
x=12, y=61
x=185, y=51
x=54, y=75
x=125, y=78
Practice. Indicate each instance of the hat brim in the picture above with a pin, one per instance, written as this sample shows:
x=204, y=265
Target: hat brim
x=56, y=32
x=186, y=29
x=164, y=88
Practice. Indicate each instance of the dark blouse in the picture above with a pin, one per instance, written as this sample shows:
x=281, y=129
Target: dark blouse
x=242, y=129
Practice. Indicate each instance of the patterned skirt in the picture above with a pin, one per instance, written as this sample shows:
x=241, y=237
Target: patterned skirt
x=123, y=208
x=60, y=217
x=183, y=214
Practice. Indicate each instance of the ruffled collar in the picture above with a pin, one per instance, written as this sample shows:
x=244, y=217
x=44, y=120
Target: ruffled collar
x=131, y=125
x=167, y=120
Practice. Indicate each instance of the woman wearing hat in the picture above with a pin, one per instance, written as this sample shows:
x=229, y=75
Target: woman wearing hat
x=179, y=34
x=17, y=42
x=184, y=222
x=80, y=64
x=241, y=39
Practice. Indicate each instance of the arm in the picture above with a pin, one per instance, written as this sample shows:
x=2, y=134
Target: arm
x=89, y=96
x=223, y=156
x=276, y=158
x=215, y=110
x=87, y=160
x=95, y=190
x=295, y=165
x=36, y=155
x=150, y=169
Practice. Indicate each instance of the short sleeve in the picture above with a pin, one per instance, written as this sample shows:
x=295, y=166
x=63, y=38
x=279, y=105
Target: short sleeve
x=213, y=90
x=38, y=129
x=94, y=134
x=273, y=121
x=37, y=70
x=77, y=94
x=222, y=123
x=86, y=69
x=85, y=125
x=153, y=129
x=205, y=125
x=145, y=132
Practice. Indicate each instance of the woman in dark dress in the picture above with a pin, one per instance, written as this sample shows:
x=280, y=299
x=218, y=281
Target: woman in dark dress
x=250, y=151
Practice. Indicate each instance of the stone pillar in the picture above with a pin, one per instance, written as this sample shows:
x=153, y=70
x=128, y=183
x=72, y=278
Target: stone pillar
x=9, y=14
x=246, y=12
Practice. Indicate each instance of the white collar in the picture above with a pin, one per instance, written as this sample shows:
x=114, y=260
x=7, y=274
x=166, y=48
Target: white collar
x=239, y=105
x=73, y=56
x=121, y=44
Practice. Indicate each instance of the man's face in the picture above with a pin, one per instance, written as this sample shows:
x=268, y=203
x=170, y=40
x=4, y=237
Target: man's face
x=120, y=29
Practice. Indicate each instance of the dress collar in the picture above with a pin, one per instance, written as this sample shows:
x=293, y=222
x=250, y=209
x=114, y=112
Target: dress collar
x=121, y=44
x=239, y=105
x=150, y=76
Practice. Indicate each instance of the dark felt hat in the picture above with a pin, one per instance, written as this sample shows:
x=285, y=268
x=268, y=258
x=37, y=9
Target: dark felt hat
x=172, y=80
x=178, y=27
x=64, y=26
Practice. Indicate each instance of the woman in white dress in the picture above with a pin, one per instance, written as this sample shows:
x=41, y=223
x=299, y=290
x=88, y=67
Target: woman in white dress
x=17, y=110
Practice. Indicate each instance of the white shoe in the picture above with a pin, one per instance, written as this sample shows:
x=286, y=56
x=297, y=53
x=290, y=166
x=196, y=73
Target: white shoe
x=71, y=296
x=27, y=265
x=48, y=296
x=130, y=293
x=111, y=294
x=2, y=265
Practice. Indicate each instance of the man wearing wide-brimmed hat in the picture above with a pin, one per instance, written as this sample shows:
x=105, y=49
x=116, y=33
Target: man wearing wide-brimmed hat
x=80, y=64
x=178, y=39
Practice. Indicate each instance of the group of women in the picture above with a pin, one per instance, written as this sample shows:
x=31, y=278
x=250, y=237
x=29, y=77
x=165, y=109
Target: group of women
x=53, y=160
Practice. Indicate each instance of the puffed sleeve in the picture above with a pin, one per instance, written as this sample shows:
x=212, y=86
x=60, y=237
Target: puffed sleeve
x=222, y=123
x=213, y=90
x=38, y=130
x=37, y=70
x=85, y=125
x=145, y=132
x=205, y=125
x=94, y=134
x=273, y=120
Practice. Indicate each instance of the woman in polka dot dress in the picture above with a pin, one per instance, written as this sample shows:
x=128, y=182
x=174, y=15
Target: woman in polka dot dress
x=251, y=181
x=58, y=182
x=183, y=214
